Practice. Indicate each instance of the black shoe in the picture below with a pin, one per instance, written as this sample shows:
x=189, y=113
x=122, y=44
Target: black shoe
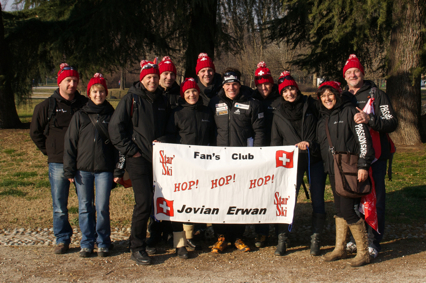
x=141, y=257
x=151, y=250
x=182, y=253
x=85, y=252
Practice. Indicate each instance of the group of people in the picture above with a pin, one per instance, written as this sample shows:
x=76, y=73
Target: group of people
x=86, y=142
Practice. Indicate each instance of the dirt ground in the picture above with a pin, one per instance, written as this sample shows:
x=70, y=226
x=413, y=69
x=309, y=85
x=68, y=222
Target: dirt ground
x=400, y=261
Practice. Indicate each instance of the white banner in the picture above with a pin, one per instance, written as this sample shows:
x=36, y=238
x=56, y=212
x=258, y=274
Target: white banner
x=205, y=184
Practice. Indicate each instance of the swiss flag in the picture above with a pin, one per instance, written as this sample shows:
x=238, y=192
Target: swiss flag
x=165, y=206
x=284, y=158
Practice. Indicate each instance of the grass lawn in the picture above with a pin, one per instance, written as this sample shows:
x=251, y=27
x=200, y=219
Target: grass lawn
x=25, y=196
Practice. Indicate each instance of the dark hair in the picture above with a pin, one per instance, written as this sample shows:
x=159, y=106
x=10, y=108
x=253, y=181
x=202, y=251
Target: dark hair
x=327, y=87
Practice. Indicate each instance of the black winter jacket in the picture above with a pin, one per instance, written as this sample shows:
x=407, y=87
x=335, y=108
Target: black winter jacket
x=133, y=131
x=52, y=145
x=283, y=132
x=85, y=148
x=191, y=124
x=238, y=120
x=207, y=93
x=345, y=135
x=384, y=121
x=172, y=95
x=269, y=104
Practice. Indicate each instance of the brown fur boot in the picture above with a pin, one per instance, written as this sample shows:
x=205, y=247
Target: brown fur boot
x=360, y=235
x=339, y=251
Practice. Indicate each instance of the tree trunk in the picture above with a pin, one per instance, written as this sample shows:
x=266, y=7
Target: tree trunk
x=201, y=38
x=403, y=85
x=123, y=79
x=8, y=116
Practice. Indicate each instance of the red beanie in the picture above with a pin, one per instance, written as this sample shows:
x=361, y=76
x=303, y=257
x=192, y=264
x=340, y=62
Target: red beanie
x=187, y=84
x=353, y=62
x=147, y=68
x=167, y=65
x=66, y=71
x=333, y=84
x=262, y=74
x=98, y=78
x=204, y=61
x=286, y=80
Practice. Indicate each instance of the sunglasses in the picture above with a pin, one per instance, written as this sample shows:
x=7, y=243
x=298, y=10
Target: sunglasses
x=228, y=74
x=290, y=78
x=150, y=66
x=66, y=69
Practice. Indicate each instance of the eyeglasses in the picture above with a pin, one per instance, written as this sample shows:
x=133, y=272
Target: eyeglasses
x=150, y=66
x=290, y=78
x=66, y=69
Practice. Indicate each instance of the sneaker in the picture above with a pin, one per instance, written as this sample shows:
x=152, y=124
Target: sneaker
x=260, y=241
x=220, y=245
x=85, y=252
x=351, y=247
x=61, y=248
x=151, y=250
x=373, y=252
x=103, y=252
x=241, y=246
x=190, y=244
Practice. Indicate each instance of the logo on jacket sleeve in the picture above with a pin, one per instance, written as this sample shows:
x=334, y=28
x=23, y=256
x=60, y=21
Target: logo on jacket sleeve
x=165, y=206
x=284, y=159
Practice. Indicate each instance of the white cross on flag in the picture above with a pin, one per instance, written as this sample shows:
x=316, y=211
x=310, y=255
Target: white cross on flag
x=260, y=73
x=165, y=206
x=284, y=159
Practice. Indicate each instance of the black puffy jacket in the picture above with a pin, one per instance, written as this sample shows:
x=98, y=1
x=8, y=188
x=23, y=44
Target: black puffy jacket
x=135, y=124
x=269, y=104
x=52, y=144
x=85, y=148
x=191, y=124
x=384, y=121
x=284, y=133
x=345, y=135
x=207, y=93
x=238, y=120
x=172, y=95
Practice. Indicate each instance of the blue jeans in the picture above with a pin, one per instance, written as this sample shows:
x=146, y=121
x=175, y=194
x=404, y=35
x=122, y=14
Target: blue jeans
x=60, y=187
x=92, y=229
x=379, y=174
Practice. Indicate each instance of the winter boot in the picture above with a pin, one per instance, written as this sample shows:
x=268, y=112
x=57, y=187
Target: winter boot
x=220, y=245
x=339, y=251
x=281, y=247
x=318, y=220
x=189, y=233
x=360, y=235
x=179, y=242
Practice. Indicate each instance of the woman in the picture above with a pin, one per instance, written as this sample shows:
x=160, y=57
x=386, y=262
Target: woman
x=294, y=123
x=345, y=136
x=190, y=123
x=90, y=158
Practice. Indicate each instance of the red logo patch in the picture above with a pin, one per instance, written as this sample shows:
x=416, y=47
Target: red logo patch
x=165, y=206
x=284, y=159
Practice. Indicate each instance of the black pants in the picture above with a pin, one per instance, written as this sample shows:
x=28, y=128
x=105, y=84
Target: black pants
x=345, y=207
x=140, y=172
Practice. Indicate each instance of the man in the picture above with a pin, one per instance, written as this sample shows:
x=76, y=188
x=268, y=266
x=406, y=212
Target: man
x=140, y=118
x=48, y=127
x=240, y=122
x=168, y=85
x=209, y=82
x=384, y=121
